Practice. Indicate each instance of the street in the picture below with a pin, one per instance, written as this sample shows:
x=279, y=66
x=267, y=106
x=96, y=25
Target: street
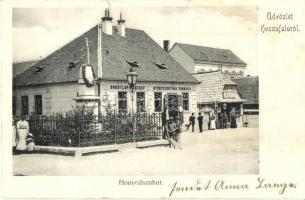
x=228, y=151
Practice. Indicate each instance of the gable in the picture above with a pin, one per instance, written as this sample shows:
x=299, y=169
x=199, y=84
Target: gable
x=212, y=86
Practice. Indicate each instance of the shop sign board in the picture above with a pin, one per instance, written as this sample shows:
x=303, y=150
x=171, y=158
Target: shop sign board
x=229, y=94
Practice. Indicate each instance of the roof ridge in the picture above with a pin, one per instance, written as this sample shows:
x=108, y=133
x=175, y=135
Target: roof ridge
x=211, y=54
x=19, y=62
x=202, y=46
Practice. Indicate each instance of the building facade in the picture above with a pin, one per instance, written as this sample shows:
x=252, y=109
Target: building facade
x=218, y=97
x=248, y=88
x=197, y=59
x=92, y=69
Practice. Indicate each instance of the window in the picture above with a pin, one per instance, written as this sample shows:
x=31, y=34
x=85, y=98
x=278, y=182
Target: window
x=133, y=64
x=185, y=98
x=233, y=74
x=24, y=105
x=122, y=98
x=38, y=104
x=161, y=65
x=14, y=105
x=158, y=101
x=38, y=68
x=230, y=87
x=140, y=101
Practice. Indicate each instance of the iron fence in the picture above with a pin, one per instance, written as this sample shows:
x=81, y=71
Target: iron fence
x=67, y=130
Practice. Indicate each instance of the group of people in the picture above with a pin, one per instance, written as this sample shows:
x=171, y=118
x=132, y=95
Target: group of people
x=23, y=141
x=200, y=119
x=171, y=127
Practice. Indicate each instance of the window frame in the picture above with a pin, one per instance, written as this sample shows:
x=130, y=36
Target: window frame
x=37, y=105
x=158, y=100
x=138, y=101
x=125, y=99
x=186, y=106
x=14, y=105
x=27, y=105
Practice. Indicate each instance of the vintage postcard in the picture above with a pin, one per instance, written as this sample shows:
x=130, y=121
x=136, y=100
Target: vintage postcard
x=152, y=99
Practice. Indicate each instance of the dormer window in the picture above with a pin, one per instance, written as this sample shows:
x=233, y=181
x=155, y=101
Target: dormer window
x=161, y=65
x=229, y=87
x=205, y=57
x=38, y=68
x=233, y=74
x=71, y=65
x=133, y=64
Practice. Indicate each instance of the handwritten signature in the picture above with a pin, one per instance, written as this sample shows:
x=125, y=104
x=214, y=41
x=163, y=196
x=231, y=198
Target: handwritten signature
x=261, y=183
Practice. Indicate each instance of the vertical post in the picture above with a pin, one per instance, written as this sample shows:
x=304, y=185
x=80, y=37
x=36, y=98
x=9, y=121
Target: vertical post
x=132, y=113
x=99, y=100
x=88, y=52
x=99, y=51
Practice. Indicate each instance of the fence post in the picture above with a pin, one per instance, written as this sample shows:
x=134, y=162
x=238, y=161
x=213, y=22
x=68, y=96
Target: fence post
x=114, y=121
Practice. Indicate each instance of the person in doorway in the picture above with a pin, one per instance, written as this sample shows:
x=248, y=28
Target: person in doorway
x=233, y=121
x=191, y=122
x=213, y=122
x=208, y=120
x=164, y=123
x=22, y=133
x=225, y=120
x=200, y=121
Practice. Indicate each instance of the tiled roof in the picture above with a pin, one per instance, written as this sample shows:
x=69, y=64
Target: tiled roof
x=211, y=87
x=20, y=67
x=211, y=55
x=248, y=89
x=137, y=46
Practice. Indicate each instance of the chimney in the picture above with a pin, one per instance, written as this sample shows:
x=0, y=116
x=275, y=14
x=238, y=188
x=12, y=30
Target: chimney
x=166, y=45
x=107, y=22
x=121, y=25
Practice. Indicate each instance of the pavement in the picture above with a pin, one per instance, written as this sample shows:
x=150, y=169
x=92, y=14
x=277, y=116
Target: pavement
x=213, y=152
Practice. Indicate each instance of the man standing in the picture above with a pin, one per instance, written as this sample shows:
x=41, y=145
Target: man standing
x=200, y=121
x=164, y=122
x=191, y=122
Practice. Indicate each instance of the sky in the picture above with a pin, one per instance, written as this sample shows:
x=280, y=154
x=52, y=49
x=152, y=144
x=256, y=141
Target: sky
x=37, y=32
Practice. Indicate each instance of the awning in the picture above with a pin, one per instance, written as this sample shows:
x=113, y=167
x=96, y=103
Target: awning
x=223, y=101
x=232, y=100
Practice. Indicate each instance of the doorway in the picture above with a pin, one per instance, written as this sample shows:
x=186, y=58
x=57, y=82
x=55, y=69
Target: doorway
x=173, y=107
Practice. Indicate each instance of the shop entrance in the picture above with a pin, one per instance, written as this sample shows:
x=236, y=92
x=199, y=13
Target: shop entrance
x=173, y=107
x=229, y=115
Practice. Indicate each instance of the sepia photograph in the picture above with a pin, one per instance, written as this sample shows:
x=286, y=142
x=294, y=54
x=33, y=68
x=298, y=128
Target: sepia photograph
x=163, y=99
x=135, y=91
